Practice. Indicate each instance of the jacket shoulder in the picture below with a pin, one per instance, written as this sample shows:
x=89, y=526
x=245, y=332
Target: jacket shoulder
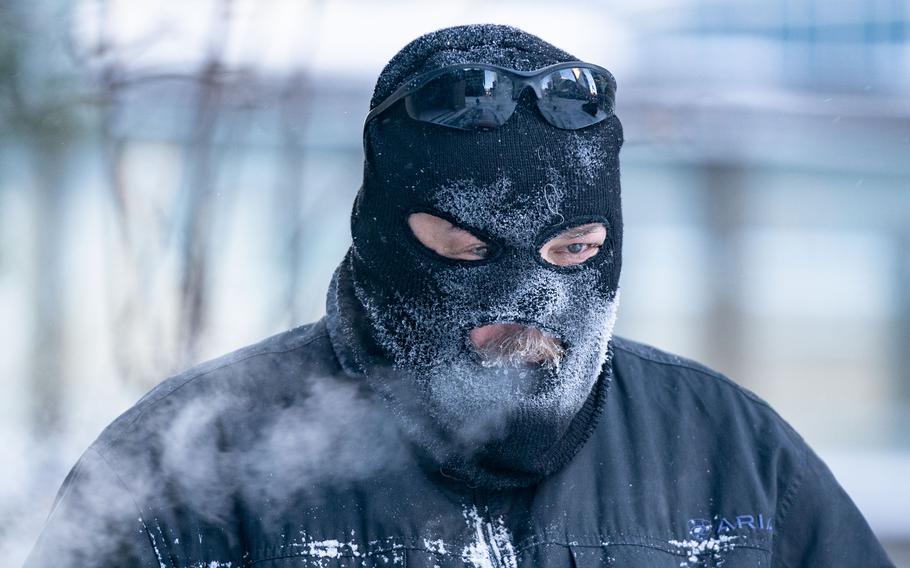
x=651, y=378
x=263, y=370
x=692, y=420
x=641, y=358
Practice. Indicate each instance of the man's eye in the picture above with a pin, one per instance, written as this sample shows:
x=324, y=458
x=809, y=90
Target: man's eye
x=575, y=245
x=577, y=248
x=482, y=251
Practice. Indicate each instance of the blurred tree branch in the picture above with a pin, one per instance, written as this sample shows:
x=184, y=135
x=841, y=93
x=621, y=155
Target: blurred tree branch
x=210, y=125
x=34, y=110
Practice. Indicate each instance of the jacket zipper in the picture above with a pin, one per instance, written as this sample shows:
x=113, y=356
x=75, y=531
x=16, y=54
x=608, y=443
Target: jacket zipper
x=497, y=556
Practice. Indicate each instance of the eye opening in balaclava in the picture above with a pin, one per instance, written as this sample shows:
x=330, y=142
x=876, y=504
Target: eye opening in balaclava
x=496, y=249
x=489, y=240
x=603, y=254
x=478, y=357
x=509, y=186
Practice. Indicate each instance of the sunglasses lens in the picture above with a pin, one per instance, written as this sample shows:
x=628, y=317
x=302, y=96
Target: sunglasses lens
x=469, y=99
x=576, y=97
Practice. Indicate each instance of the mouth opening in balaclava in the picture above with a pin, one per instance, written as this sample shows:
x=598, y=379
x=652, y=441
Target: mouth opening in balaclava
x=515, y=345
x=496, y=367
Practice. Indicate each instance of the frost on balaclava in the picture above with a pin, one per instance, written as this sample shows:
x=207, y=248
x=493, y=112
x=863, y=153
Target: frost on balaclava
x=400, y=314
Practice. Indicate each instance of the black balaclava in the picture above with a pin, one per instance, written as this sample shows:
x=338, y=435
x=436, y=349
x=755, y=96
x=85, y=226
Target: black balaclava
x=400, y=314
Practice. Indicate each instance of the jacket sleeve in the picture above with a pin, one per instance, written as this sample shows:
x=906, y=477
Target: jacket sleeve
x=94, y=522
x=818, y=525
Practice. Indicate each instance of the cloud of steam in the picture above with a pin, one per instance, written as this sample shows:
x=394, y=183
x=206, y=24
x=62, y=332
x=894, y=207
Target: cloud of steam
x=209, y=448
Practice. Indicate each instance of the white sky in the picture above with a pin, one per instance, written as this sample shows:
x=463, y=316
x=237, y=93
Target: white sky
x=281, y=35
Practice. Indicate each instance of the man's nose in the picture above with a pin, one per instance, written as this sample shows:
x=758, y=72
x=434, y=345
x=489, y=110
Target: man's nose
x=534, y=295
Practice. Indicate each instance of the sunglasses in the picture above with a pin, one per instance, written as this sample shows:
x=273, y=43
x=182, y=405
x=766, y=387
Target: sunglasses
x=477, y=96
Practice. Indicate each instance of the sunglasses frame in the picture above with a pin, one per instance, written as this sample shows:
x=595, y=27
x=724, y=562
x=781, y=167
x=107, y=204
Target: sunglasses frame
x=525, y=78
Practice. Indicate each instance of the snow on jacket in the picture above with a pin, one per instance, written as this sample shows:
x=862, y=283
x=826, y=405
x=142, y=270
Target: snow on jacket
x=272, y=457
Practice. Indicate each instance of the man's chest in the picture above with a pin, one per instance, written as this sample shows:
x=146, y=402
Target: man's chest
x=536, y=529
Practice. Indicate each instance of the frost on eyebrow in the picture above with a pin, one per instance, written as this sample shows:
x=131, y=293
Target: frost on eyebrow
x=578, y=231
x=501, y=207
x=581, y=160
x=515, y=205
x=588, y=155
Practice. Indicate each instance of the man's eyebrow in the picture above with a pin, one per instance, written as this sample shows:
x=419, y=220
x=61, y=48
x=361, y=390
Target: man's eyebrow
x=453, y=228
x=580, y=231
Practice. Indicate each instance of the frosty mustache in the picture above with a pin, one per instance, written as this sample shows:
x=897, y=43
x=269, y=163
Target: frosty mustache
x=516, y=345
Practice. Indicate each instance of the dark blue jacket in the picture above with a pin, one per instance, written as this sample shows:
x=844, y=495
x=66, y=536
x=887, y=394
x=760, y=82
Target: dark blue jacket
x=272, y=457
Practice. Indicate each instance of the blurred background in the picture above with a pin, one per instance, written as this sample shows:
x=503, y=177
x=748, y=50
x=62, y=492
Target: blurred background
x=176, y=180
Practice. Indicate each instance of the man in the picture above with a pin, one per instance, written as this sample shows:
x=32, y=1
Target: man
x=464, y=402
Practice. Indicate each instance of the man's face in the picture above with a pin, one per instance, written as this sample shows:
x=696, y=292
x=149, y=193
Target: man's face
x=510, y=344
x=487, y=265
